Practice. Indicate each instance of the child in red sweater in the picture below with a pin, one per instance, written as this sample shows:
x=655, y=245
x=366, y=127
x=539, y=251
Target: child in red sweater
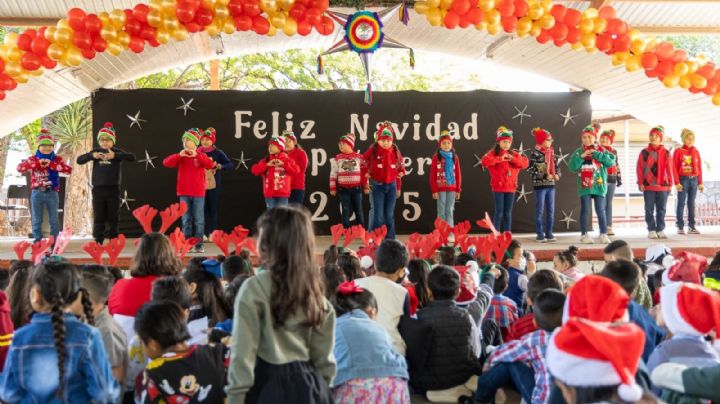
x=298, y=155
x=687, y=166
x=191, y=165
x=386, y=169
x=348, y=180
x=504, y=166
x=655, y=178
x=277, y=170
x=445, y=178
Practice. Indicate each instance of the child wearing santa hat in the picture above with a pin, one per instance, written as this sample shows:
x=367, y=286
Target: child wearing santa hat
x=655, y=178
x=277, y=170
x=591, y=162
x=545, y=172
x=445, y=177
x=45, y=168
x=504, y=166
x=348, y=180
x=687, y=166
x=106, y=178
x=212, y=190
x=614, y=180
x=191, y=165
x=298, y=155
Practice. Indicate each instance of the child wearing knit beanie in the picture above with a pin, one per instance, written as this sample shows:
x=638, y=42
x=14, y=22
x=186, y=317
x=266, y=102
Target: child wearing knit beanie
x=348, y=180
x=277, y=171
x=655, y=178
x=445, y=178
x=687, y=166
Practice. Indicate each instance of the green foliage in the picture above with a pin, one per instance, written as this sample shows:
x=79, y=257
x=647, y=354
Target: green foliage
x=28, y=134
x=695, y=45
x=72, y=124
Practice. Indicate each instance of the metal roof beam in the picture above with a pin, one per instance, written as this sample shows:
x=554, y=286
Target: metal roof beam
x=27, y=22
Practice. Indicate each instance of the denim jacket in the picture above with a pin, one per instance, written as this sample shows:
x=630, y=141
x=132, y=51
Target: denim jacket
x=363, y=350
x=31, y=374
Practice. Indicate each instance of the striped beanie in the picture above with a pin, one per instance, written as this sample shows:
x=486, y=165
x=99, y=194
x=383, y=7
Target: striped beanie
x=348, y=139
x=45, y=138
x=278, y=141
x=192, y=134
x=107, y=131
x=503, y=133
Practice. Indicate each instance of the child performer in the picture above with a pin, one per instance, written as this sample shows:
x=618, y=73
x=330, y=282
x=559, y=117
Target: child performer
x=106, y=178
x=45, y=168
x=212, y=190
x=688, y=180
x=591, y=163
x=298, y=155
x=545, y=172
x=504, y=166
x=655, y=178
x=191, y=165
x=607, y=137
x=277, y=171
x=348, y=180
x=445, y=177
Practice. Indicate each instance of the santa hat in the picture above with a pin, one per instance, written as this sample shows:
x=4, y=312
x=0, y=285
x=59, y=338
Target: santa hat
x=610, y=134
x=445, y=135
x=596, y=298
x=289, y=135
x=107, y=131
x=348, y=139
x=45, y=138
x=209, y=133
x=503, y=133
x=541, y=135
x=192, y=134
x=690, y=309
x=685, y=133
x=385, y=131
x=686, y=267
x=278, y=141
x=585, y=353
x=658, y=130
x=592, y=129
x=469, y=281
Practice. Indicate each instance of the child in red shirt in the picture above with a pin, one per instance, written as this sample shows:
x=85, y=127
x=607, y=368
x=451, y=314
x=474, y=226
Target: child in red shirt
x=191, y=164
x=298, y=155
x=277, y=170
x=348, y=180
x=445, y=178
x=687, y=166
x=655, y=178
x=504, y=166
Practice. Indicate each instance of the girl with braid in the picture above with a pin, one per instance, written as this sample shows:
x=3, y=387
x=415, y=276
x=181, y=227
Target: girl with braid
x=54, y=335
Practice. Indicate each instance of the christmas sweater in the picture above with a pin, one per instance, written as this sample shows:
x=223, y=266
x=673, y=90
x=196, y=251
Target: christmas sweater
x=538, y=169
x=687, y=163
x=504, y=174
x=654, y=169
x=592, y=173
x=614, y=171
x=347, y=170
x=300, y=158
x=385, y=165
x=42, y=176
x=277, y=180
x=191, y=173
x=438, y=182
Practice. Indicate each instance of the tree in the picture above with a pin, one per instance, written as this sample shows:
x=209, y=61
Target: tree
x=696, y=45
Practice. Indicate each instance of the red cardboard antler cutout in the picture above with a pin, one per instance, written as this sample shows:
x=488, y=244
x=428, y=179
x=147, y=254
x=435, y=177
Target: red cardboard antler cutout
x=353, y=233
x=171, y=214
x=443, y=229
x=428, y=246
x=237, y=239
x=250, y=244
x=95, y=251
x=180, y=244
x=378, y=235
x=145, y=215
x=222, y=241
x=461, y=229
x=113, y=249
x=487, y=223
x=39, y=248
x=501, y=244
x=63, y=239
x=239, y=229
x=485, y=247
x=336, y=231
x=20, y=247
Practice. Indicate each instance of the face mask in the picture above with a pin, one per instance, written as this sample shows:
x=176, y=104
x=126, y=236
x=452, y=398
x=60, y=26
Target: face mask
x=522, y=263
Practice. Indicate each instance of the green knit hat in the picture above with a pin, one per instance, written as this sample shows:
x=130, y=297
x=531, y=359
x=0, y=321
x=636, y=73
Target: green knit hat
x=45, y=138
x=503, y=133
x=192, y=134
x=107, y=131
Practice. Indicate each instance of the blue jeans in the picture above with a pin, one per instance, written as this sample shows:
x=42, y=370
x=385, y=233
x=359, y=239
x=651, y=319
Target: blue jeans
x=273, y=202
x=446, y=206
x=689, y=192
x=351, y=202
x=371, y=213
x=655, y=204
x=503, y=374
x=544, y=209
x=502, y=218
x=384, y=196
x=39, y=201
x=212, y=200
x=195, y=214
x=297, y=196
x=609, y=203
x=586, y=208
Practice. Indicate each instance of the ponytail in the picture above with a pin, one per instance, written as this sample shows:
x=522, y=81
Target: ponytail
x=569, y=256
x=58, y=323
x=349, y=297
x=87, y=306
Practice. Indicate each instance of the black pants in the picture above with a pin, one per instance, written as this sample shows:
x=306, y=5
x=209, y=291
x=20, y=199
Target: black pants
x=290, y=383
x=106, y=206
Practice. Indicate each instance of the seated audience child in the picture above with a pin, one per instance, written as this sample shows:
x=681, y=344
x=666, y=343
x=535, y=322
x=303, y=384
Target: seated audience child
x=446, y=255
x=233, y=266
x=331, y=254
x=502, y=310
x=565, y=262
x=178, y=372
x=516, y=264
x=695, y=382
x=18, y=294
x=208, y=296
x=393, y=300
x=522, y=362
x=333, y=276
x=618, y=249
x=541, y=280
x=350, y=264
x=418, y=271
x=452, y=363
x=369, y=369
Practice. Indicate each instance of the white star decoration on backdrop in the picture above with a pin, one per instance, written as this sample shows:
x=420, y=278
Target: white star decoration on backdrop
x=523, y=194
x=124, y=201
x=135, y=120
x=478, y=162
x=521, y=114
x=148, y=160
x=242, y=161
x=186, y=105
x=521, y=150
x=567, y=219
x=562, y=157
x=568, y=116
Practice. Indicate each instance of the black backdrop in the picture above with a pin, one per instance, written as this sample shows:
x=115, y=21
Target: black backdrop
x=245, y=121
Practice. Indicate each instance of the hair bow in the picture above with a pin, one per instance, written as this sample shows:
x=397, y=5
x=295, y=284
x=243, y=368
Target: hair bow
x=349, y=288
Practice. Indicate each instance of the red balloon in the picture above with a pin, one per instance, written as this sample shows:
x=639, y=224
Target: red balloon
x=604, y=42
x=460, y=7
x=711, y=87
x=321, y=5
x=147, y=33
x=99, y=44
x=695, y=90
x=313, y=16
x=88, y=54
x=205, y=17
x=304, y=3
x=47, y=62
x=184, y=14
x=521, y=8
x=679, y=56
x=13, y=84
x=649, y=61
x=154, y=43
x=128, y=13
x=617, y=26
x=572, y=17
x=304, y=28
x=30, y=61
x=297, y=12
x=192, y=27
x=573, y=35
x=622, y=44
x=664, y=68
x=2, y=65
x=261, y=25
x=558, y=11
x=140, y=12
x=664, y=50
x=509, y=24
x=506, y=8
x=707, y=71
x=475, y=16
x=326, y=26
x=133, y=26
x=464, y=22
x=559, y=42
x=76, y=19
x=606, y=12
x=244, y=23
x=2, y=95
x=93, y=24
x=137, y=44
x=192, y=4
x=82, y=40
x=559, y=31
x=452, y=19
x=24, y=42
x=235, y=7
x=544, y=37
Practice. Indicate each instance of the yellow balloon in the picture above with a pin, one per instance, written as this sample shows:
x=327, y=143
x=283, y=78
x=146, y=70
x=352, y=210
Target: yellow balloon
x=123, y=39
x=14, y=54
x=11, y=38
x=577, y=46
x=180, y=34
x=487, y=5
x=277, y=20
x=600, y=25
x=63, y=23
x=633, y=63
x=268, y=6
x=13, y=69
x=536, y=29
x=685, y=82
x=73, y=56
x=221, y=12
x=547, y=21
x=637, y=46
x=155, y=4
x=163, y=36
x=222, y=2
x=586, y=25
x=287, y=4
x=671, y=81
x=692, y=66
x=492, y=17
x=213, y=30
x=38, y=72
x=446, y=4
x=117, y=18
x=109, y=34
x=114, y=48
x=421, y=7
x=633, y=33
x=154, y=18
x=55, y=52
x=50, y=33
x=272, y=30
x=170, y=24
x=716, y=99
x=168, y=4
x=588, y=40
x=547, y=4
x=619, y=58
x=22, y=78
x=681, y=69
x=433, y=4
x=524, y=25
x=208, y=4
x=536, y=11
x=698, y=81
x=481, y=26
x=443, y=13
x=590, y=13
x=229, y=27
x=493, y=29
x=434, y=17
x=290, y=27
x=63, y=36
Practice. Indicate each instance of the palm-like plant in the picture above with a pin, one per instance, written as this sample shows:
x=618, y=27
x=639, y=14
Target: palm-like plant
x=71, y=125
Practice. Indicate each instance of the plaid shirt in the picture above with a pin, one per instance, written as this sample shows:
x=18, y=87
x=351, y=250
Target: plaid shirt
x=503, y=310
x=523, y=326
x=530, y=350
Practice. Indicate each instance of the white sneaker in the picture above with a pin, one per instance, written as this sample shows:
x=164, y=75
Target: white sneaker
x=500, y=396
x=661, y=235
x=653, y=235
x=604, y=239
x=586, y=239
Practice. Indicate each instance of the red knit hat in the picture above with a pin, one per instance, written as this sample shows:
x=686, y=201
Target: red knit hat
x=541, y=135
x=348, y=139
x=596, y=298
x=108, y=131
x=289, y=134
x=586, y=353
x=209, y=133
x=45, y=138
x=688, y=267
x=445, y=135
x=503, y=133
x=610, y=134
x=278, y=141
x=592, y=129
x=385, y=131
x=690, y=309
x=658, y=130
x=192, y=134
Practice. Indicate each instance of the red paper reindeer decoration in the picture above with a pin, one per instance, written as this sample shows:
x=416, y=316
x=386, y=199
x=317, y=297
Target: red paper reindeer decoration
x=180, y=244
x=95, y=251
x=375, y=237
x=20, y=247
x=222, y=241
x=502, y=242
x=487, y=223
x=353, y=233
x=337, y=231
x=443, y=230
x=63, y=239
x=145, y=215
x=113, y=249
x=171, y=214
x=39, y=248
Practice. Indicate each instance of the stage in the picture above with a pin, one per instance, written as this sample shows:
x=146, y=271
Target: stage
x=705, y=244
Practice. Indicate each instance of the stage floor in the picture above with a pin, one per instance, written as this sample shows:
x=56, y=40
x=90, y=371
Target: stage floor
x=706, y=244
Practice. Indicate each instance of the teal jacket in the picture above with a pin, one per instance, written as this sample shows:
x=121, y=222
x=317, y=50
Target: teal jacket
x=606, y=160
